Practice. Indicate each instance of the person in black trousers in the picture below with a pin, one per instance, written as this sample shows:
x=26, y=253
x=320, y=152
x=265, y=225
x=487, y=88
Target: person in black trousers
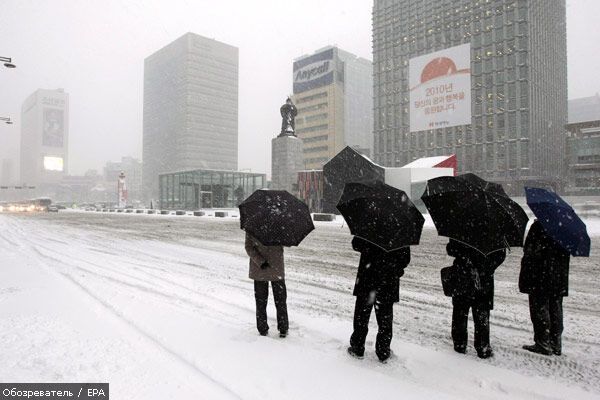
x=267, y=265
x=377, y=286
x=472, y=276
x=545, y=278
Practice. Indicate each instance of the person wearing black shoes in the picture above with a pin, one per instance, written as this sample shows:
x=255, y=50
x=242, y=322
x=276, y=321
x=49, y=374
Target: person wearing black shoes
x=266, y=265
x=376, y=286
x=470, y=282
x=545, y=278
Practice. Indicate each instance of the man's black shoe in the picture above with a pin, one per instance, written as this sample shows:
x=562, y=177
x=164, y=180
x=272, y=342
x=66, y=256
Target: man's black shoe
x=354, y=353
x=536, y=348
x=460, y=349
x=485, y=353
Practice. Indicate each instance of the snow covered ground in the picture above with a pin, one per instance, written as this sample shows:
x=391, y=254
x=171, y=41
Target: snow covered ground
x=161, y=307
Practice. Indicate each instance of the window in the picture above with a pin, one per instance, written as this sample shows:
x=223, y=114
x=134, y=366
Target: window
x=512, y=155
x=524, y=154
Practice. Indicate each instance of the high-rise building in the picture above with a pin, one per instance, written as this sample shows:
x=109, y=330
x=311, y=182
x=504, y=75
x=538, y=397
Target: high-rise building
x=44, y=137
x=333, y=91
x=190, y=109
x=485, y=80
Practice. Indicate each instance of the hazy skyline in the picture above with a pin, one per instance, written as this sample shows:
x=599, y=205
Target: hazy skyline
x=95, y=50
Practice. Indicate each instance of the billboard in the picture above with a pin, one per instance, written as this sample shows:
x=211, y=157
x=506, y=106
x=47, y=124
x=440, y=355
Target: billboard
x=440, y=89
x=314, y=71
x=54, y=127
x=52, y=163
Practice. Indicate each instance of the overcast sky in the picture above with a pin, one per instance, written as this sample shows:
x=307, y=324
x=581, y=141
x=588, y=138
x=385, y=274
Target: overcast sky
x=95, y=50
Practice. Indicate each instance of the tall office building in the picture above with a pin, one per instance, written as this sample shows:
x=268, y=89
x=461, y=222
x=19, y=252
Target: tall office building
x=485, y=80
x=190, y=109
x=333, y=91
x=44, y=137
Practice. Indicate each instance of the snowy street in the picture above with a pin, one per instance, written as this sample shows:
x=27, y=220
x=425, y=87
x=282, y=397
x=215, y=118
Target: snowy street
x=162, y=307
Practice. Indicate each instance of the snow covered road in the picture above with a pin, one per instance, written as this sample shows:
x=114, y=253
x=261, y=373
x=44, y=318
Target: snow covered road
x=161, y=307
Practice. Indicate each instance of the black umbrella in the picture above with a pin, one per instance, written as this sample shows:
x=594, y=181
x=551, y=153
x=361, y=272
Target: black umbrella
x=381, y=214
x=275, y=218
x=476, y=212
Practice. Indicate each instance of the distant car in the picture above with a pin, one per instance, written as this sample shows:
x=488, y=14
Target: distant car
x=52, y=209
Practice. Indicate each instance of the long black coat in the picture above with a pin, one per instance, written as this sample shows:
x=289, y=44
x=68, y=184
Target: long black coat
x=379, y=271
x=544, y=266
x=475, y=274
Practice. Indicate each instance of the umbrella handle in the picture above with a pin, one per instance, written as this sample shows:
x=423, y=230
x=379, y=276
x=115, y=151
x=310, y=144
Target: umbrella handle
x=507, y=245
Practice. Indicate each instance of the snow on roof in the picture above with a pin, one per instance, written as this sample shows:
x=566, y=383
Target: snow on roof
x=427, y=162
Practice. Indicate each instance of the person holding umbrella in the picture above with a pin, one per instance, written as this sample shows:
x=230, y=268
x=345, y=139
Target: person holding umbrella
x=266, y=265
x=377, y=286
x=481, y=222
x=385, y=223
x=557, y=234
x=470, y=283
x=272, y=219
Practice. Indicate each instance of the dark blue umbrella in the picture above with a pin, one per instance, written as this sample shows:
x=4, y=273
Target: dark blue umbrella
x=559, y=220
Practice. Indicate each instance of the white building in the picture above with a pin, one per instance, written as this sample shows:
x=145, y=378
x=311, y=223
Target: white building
x=190, y=109
x=44, y=137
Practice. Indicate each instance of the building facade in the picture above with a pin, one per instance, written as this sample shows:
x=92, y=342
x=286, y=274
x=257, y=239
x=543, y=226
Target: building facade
x=507, y=124
x=583, y=147
x=190, y=109
x=6, y=171
x=334, y=95
x=195, y=189
x=44, y=137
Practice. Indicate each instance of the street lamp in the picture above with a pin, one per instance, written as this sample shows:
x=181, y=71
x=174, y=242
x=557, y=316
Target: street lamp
x=7, y=62
x=6, y=120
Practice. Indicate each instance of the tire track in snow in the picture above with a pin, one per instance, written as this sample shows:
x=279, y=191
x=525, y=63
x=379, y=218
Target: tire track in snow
x=134, y=327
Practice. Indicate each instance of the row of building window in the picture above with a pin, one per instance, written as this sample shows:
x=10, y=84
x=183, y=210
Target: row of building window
x=315, y=149
x=313, y=118
x=313, y=128
x=315, y=107
x=491, y=158
x=312, y=97
x=315, y=139
x=316, y=160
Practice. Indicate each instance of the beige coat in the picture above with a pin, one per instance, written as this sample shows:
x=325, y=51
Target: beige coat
x=259, y=254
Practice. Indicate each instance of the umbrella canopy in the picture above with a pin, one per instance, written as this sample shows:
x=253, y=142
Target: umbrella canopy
x=559, y=220
x=275, y=218
x=381, y=214
x=476, y=212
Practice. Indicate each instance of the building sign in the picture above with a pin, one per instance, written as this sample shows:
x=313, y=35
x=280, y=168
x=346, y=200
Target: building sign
x=53, y=129
x=53, y=163
x=314, y=71
x=440, y=89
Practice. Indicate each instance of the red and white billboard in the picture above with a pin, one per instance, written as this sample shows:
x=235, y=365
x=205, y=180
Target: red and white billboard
x=440, y=89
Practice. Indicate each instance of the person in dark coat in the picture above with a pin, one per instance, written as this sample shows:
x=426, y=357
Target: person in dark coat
x=472, y=288
x=266, y=265
x=545, y=278
x=377, y=286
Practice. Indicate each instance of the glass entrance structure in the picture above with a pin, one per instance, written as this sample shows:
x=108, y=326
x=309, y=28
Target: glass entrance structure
x=205, y=188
